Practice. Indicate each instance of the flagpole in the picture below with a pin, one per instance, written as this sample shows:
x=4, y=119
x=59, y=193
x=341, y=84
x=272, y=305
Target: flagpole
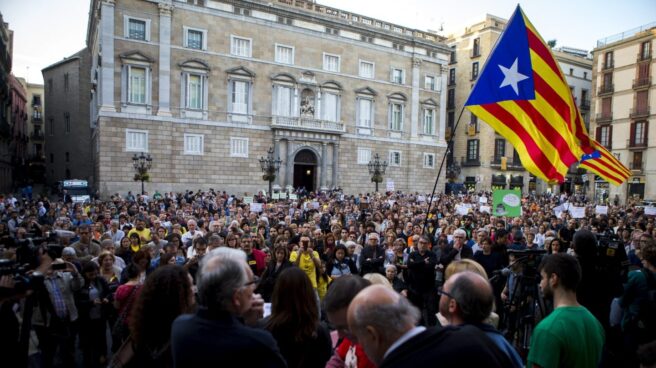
x=439, y=171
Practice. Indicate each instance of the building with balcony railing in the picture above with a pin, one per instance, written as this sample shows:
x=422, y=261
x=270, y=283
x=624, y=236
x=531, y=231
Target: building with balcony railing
x=622, y=67
x=207, y=87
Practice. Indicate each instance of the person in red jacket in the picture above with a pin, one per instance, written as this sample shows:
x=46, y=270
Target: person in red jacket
x=256, y=258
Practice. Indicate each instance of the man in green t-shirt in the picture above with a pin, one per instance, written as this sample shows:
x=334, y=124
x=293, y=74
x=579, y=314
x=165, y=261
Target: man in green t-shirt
x=570, y=336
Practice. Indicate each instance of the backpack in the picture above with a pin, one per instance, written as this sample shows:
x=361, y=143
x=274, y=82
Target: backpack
x=647, y=315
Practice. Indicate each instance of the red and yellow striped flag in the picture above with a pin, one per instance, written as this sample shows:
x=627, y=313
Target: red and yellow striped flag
x=523, y=95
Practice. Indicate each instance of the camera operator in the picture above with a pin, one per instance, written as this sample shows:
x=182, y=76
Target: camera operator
x=54, y=317
x=603, y=271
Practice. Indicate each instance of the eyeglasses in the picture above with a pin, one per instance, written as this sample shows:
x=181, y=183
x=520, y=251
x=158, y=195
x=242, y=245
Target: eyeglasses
x=441, y=291
x=252, y=282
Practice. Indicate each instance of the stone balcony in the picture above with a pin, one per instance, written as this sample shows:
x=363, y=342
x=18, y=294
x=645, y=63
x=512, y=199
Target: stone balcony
x=308, y=124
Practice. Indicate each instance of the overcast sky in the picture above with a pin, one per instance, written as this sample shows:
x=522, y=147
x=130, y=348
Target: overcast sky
x=46, y=31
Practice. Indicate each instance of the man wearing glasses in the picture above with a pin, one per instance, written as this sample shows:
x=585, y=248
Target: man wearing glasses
x=215, y=335
x=457, y=250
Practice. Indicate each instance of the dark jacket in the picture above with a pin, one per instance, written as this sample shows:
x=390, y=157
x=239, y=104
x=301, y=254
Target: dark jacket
x=461, y=346
x=269, y=277
x=421, y=273
x=449, y=254
x=372, y=259
x=309, y=353
x=218, y=339
x=84, y=304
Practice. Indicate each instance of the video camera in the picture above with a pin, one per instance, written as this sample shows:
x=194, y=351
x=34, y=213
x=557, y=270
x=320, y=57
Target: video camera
x=530, y=260
x=22, y=280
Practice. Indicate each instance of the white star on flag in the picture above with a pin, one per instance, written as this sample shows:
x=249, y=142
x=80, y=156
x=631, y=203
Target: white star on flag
x=511, y=77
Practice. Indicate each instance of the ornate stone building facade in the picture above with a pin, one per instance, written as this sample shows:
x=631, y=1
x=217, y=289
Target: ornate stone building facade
x=206, y=87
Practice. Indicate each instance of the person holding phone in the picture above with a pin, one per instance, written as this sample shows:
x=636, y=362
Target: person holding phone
x=307, y=259
x=55, y=315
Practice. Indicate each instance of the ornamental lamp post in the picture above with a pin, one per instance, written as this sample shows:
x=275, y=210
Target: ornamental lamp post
x=270, y=167
x=377, y=170
x=142, y=164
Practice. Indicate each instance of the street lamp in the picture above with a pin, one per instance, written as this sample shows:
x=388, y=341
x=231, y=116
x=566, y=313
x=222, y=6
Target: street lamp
x=270, y=167
x=142, y=164
x=377, y=170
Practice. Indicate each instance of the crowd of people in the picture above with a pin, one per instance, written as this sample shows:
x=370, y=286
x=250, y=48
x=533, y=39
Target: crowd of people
x=328, y=279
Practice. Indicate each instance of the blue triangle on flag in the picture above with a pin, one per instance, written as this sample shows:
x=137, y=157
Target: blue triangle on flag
x=508, y=72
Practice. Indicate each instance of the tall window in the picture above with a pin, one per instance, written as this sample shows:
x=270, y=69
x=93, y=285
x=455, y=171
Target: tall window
x=636, y=164
x=397, y=75
x=474, y=73
x=195, y=91
x=284, y=54
x=136, y=140
x=193, y=144
x=429, y=122
x=645, y=50
x=452, y=77
x=396, y=116
x=365, y=112
x=639, y=130
x=240, y=46
x=137, y=84
x=366, y=69
x=429, y=160
x=284, y=96
x=451, y=99
x=395, y=158
x=331, y=62
x=429, y=83
x=67, y=157
x=476, y=50
x=51, y=126
x=499, y=149
x=67, y=122
x=472, y=150
x=239, y=97
x=330, y=106
x=608, y=60
x=604, y=135
x=65, y=81
x=137, y=29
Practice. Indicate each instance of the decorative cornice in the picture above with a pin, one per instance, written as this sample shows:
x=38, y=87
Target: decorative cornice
x=165, y=9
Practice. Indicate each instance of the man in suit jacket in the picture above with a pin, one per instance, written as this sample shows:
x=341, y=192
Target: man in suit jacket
x=383, y=322
x=215, y=335
x=457, y=250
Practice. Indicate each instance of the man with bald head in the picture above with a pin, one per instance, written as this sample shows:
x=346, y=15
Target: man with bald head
x=383, y=322
x=467, y=298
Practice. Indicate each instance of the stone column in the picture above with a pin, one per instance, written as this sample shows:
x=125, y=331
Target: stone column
x=335, y=163
x=289, y=167
x=414, y=100
x=443, y=93
x=324, y=166
x=276, y=154
x=107, y=67
x=164, y=59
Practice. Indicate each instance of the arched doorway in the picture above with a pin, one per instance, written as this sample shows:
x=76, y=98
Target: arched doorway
x=305, y=169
